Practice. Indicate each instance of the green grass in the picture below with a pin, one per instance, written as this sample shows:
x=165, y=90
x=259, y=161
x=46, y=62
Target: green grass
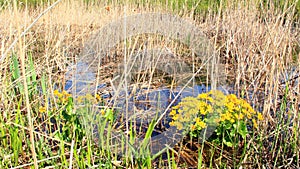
x=198, y=7
x=62, y=131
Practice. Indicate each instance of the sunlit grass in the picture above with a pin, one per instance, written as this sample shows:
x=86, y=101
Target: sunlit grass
x=257, y=41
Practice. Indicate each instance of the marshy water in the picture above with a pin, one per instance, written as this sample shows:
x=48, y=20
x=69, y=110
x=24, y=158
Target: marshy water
x=143, y=82
x=156, y=79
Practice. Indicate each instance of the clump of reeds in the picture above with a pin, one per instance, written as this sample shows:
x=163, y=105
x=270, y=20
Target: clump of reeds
x=257, y=42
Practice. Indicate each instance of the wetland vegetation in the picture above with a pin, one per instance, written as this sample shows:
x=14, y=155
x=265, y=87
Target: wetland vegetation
x=250, y=119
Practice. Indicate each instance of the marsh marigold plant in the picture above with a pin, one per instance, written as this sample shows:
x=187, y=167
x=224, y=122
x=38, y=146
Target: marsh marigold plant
x=228, y=113
x=67, y=117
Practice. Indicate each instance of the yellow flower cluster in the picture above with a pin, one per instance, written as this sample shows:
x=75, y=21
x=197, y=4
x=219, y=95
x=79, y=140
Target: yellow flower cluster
x=62, y=96
x=89, y=98
x=195, y=112
x=42, y=109
x=238, y=109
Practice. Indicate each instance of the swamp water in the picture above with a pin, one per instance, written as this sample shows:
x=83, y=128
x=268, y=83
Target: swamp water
x=144, y=103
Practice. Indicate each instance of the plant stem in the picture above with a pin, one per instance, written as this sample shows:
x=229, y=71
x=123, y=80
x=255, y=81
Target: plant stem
x=28, y=109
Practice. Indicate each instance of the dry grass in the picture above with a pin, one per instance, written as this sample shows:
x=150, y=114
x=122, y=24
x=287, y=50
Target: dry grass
x=257, y=46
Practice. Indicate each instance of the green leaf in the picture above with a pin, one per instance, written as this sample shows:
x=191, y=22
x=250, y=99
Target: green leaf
x=16, y=73
x=147, y=138
x=32, y=69
x=242, y=129
x=227, y=143
x=228, y=126
x=15, y=67
x=233, y=131
x=32, y=78
x=109, y=115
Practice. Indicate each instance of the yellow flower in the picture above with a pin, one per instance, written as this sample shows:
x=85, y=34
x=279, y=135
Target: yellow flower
x=259, y=116
x=201, y=124
x=222, y=118
x=218, y=96
x=239, y=116
x=246, y=105
x=199, y=105
x=230, y=106
x=172, y=123
x=66, y=94
x=202, y=112
x=229, y=109
x=173, y=112
x=209, y=108
x=102, y=111
x=98, y=97
x=203, y=96
x=232, y=98
x=176, y=107
x=210, y=99
x=64, y=100
x=197, y=120
x=175, y=117
x=42, y=109
x=193, y=127
x=254, y=123
x=249, y=115
x=204, y=108
x=227, y=116
x=57, y=93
